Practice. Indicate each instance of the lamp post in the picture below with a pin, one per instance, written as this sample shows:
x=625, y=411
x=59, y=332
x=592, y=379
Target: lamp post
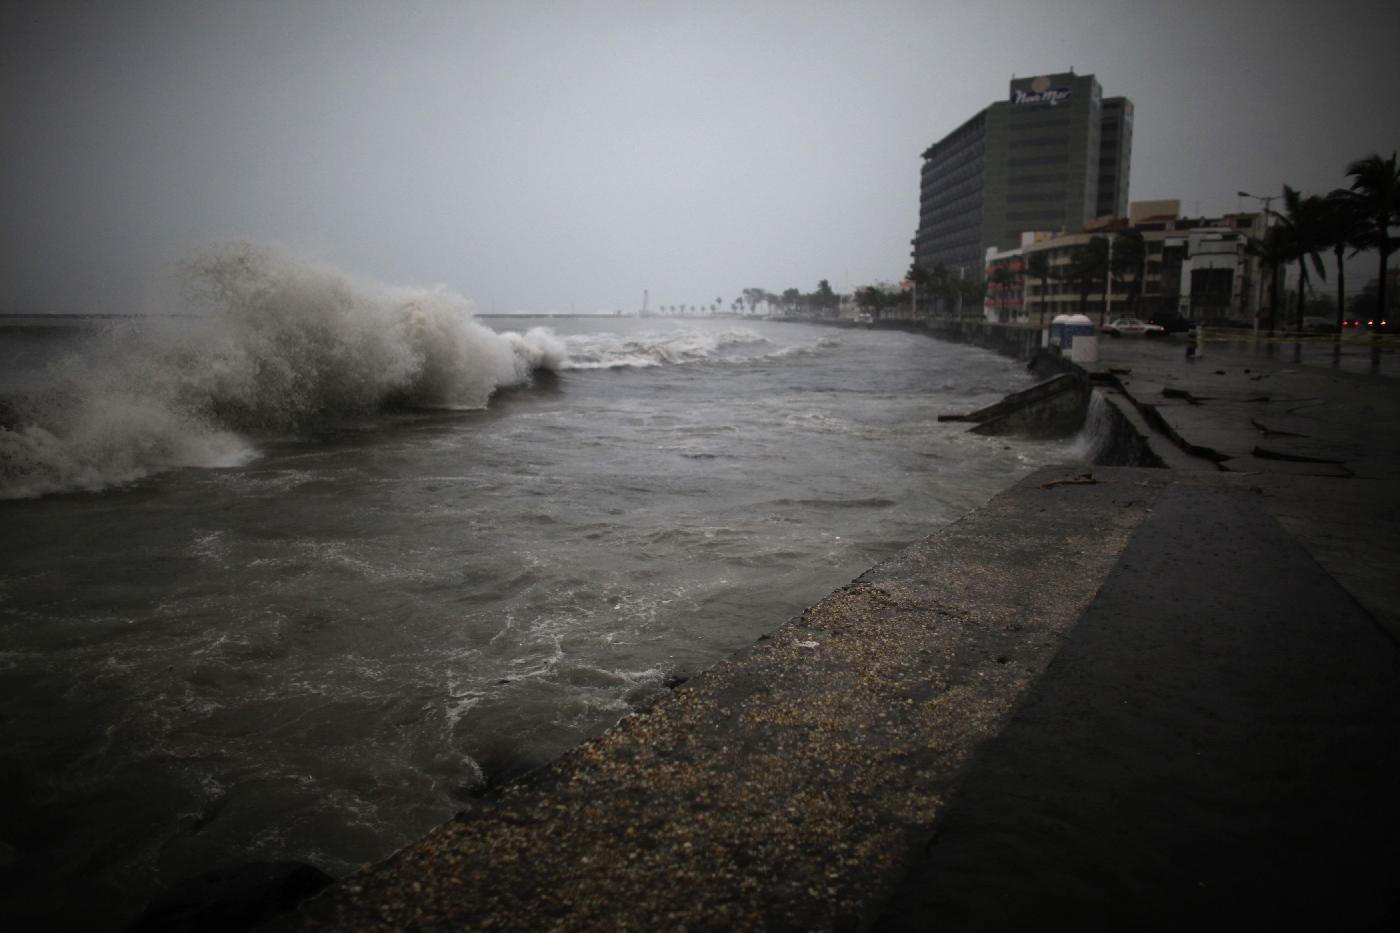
x=1269, y=199
x=1108, y=283
x=1273, y=272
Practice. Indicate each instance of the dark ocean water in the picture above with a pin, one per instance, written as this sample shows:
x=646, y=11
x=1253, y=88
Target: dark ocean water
x=290, y=580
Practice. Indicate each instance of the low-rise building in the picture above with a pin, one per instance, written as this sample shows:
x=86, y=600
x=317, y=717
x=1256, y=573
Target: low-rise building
x=1218, y=277
x=1200, y=268
x=1006, y=278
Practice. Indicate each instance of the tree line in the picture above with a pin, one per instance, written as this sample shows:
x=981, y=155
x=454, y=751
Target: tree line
x=823, y=302
x=1345, y=220
x=922, y=289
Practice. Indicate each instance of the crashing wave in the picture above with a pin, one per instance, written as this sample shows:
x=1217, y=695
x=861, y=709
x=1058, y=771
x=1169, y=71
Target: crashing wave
x=276, y=343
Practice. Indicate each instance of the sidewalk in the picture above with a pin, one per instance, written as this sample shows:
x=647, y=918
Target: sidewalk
x=1321, y=445
x=1217, y=743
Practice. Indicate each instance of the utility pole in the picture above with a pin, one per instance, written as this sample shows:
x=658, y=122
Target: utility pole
x=1268, y=216
x=1108, y=284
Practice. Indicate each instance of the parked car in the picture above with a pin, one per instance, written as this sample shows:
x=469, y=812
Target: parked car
x=1132, y=327
x=1170, y=321
x=1352, y=323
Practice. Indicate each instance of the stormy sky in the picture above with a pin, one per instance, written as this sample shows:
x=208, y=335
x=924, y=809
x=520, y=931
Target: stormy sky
x=552, y=156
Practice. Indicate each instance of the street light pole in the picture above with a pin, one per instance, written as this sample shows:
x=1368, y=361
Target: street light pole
x=1259, y=197
x=1273, y=271
x=1108, y=283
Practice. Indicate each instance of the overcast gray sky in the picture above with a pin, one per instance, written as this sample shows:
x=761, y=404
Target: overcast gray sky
x=547, y=156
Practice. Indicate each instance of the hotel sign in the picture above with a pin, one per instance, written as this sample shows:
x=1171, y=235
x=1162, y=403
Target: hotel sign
x=1041, y=94
x=1046, y=98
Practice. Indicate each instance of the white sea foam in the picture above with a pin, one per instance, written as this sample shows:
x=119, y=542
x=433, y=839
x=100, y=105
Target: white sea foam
x=614, y=351
x=807, y=349
x=279, y=343
x=1093, y=437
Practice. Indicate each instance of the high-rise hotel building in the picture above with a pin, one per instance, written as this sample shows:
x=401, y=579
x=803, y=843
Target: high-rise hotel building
x=1052, y=156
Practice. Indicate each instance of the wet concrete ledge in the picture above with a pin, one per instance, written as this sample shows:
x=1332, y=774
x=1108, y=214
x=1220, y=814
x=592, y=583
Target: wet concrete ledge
x=795, y=784
x=1052, y=408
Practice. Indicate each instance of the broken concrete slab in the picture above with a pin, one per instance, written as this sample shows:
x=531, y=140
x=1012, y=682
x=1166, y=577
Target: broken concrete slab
x=1052, y=408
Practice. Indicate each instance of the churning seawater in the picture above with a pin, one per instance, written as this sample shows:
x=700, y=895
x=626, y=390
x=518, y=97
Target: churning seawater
x=291, y=578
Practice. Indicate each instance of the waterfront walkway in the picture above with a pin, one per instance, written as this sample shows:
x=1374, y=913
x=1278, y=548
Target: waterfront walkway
x=1319, y=445
x=1163, y=699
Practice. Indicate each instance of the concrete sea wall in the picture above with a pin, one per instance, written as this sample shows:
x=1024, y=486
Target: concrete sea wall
x=1019, y=342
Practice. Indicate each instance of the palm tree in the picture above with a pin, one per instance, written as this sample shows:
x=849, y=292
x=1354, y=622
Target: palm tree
x=1002, y=278
x=953, y=289
x=1130, y=258
x=1344, y=226
x=940, y=285
x=1375, y=186
x=1274, y=251
x=922, y=281
x=1038, y=266
x=973, y=293
x=1303, y=219
x=1088, y=266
